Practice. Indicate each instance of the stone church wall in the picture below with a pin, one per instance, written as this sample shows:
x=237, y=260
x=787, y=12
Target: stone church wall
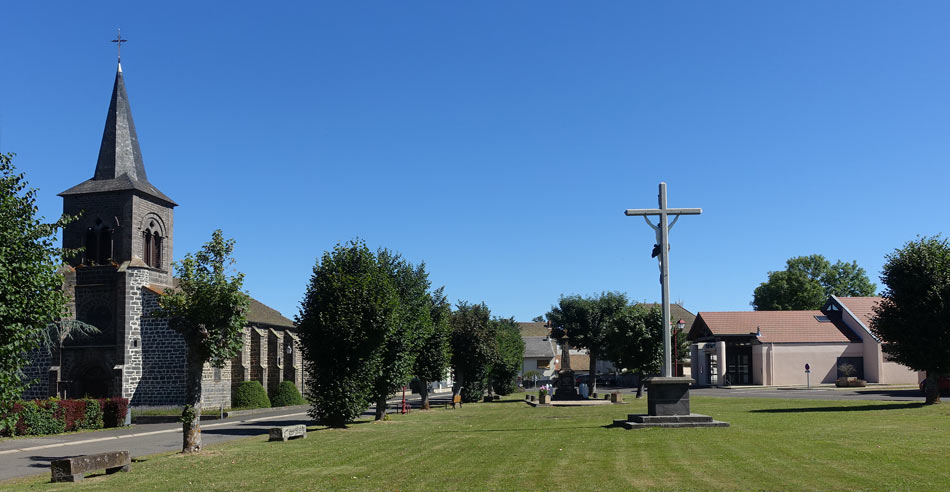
x=163, y=359
x=37, y=374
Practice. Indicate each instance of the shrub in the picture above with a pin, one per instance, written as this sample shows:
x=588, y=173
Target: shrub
x=92, y=417
x=74, y=412
x=250, y=394
x=40, y=417
x=113, y=411
x=287, y=395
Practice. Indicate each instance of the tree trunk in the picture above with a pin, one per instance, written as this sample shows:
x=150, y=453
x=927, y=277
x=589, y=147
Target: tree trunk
x=191, y=414
x=640, y=385
x=931, y=388
x=424, y=393
x=592, y=373
x=380, y=408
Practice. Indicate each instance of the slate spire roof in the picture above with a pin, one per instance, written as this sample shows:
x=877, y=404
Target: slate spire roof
x=120, y=165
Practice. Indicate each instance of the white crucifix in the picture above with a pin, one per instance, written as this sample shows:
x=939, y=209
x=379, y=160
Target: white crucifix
x=663, y=244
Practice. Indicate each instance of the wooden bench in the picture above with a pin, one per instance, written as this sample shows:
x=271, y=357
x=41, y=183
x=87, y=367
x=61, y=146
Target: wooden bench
x=74, y=469
x=288, y=432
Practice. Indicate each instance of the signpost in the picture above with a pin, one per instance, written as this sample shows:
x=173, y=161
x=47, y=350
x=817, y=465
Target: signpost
x=808, y=375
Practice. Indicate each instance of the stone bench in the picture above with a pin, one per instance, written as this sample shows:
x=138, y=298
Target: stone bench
x=288, y=432
x=74, y=469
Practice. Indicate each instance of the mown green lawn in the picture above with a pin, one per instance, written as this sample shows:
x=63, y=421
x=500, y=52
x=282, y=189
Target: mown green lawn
x=772, y=445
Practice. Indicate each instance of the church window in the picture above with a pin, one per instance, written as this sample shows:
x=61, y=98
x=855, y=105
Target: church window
x=157, y=251
x=104, y=254
x=147, y=244
x=91, y=245
x=152, y=248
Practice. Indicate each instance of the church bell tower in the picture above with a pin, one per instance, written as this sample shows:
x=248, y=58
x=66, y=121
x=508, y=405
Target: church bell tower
x=123, y=218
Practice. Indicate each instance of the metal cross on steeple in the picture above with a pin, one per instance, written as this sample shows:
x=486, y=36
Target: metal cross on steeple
x=118, y=44
x=663, y=244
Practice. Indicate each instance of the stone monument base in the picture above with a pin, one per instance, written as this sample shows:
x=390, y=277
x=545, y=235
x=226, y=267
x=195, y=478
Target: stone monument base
x=565, y=389
x=668, y=407
x=668, y=396
x=635, y=421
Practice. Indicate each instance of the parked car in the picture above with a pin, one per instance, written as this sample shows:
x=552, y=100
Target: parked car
x=943, y=384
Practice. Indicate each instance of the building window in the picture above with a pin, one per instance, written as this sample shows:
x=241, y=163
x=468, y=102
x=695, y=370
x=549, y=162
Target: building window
x=543, y=364
x=98, y=244
x=152, y=248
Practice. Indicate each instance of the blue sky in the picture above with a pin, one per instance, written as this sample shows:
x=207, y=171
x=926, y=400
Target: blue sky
x=500, y=142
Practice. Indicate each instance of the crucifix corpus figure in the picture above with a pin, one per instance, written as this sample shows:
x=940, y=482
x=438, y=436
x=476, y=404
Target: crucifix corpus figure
x=662, y=249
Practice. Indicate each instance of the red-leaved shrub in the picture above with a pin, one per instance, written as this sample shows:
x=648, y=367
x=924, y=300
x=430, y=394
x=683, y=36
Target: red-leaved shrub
x=74, y=411
x=113, y=411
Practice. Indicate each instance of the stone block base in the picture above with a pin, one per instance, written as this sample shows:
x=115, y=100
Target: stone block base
x=668, y=421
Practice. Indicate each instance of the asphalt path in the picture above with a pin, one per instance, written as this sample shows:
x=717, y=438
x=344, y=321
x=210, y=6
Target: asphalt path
x=824, y=392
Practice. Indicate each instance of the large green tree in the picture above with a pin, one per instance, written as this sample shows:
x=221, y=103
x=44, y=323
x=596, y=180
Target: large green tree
x=474, y=348
x=209, y=309
x=348, y=312
x=411, y=326
x=509, y=356
x=808, y=281
x=634, y=341
x=913, y=318
x=435, y=353
x=31, y=289
x=584, y=320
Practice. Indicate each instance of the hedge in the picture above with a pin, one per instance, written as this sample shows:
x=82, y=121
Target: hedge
x=250, y=394
x=286, y=395
x=54, y=416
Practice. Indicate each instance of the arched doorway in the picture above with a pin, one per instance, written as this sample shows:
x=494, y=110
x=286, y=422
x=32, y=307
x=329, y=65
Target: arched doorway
x=90, y=381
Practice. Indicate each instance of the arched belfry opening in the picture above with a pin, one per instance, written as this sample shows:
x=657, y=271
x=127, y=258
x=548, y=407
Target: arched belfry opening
x=98, y=245
x=152, y=244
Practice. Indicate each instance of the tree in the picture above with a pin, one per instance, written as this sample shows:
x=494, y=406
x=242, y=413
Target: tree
x=473, y=349
x=509, y=356
x=585, y=321
x=808, y=281
x=435, y=352
x=411, y=326
x=634, y=340
x=346, y=316
x=912, y=318
x=31, y=289
x=209, y=309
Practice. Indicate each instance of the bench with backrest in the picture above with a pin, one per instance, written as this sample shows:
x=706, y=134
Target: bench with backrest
x=288, y=432
x=75, y=468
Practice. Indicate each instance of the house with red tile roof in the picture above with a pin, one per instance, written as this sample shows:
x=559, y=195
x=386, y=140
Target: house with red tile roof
x=772, y=348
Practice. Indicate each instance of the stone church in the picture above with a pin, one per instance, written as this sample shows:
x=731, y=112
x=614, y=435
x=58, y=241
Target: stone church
x=126, y=232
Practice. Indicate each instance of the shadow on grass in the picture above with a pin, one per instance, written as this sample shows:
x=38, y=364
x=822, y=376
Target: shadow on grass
x=855, y=408
x=546, y=428
x=903, y=393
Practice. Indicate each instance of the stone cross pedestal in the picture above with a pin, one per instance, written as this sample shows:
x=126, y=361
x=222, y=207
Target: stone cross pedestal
x=668, y=406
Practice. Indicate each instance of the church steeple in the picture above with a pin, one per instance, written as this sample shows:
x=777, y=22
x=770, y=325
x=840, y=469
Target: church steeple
x=119, y=152
x=120, y=165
